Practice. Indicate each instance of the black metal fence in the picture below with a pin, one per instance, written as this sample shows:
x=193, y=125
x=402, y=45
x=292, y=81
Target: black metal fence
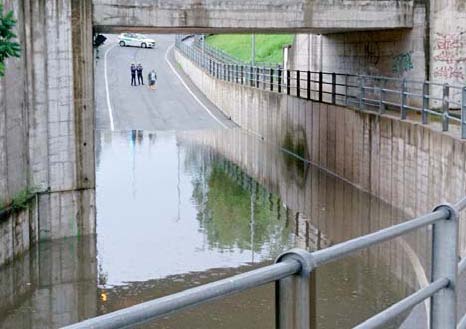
x=418, y=100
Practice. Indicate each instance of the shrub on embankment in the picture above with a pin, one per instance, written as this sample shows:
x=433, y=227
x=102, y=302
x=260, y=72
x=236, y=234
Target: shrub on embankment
x=269, y=47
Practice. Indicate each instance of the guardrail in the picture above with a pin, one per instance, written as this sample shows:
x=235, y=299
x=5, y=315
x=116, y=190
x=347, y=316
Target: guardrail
x=292, y=270
x=426, y=99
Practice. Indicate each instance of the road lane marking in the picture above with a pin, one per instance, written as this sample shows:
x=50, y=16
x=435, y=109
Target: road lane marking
x=109, y=106
x=190, y=91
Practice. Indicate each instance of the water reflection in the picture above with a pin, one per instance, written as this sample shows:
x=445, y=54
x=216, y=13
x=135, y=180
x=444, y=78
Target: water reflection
x=52, y=285
x=178, y=210
x=175, y=210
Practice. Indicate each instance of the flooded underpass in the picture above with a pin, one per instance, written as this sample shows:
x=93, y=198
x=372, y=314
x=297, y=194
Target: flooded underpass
x=175, y=210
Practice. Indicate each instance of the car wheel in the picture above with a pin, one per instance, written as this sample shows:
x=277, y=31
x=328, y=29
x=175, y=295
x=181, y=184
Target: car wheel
x=143, y=45
x=122, y=44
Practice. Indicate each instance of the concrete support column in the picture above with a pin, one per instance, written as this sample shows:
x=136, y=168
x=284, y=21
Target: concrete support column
x=83, y=90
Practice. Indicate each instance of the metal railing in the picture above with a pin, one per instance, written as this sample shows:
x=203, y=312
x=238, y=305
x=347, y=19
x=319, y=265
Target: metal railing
x=421, y=100
x=292, y=272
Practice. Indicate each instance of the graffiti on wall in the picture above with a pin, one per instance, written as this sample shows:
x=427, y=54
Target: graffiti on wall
x=402, y=63
x=449, y=56
x=372, y=52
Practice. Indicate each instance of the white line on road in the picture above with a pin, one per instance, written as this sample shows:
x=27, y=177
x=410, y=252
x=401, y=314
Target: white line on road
x=109, y=106
x=190, y=91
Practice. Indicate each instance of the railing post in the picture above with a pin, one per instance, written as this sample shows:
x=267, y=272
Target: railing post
x=445, y=106
x=298, y=84
x=279, y=82
x=403, y=100
x=309, y=85
x=382, y=96
x=346, y=89
x=288, y=79
x=425, y=102
x=271, y=79
x=251, y=75
x=242, y=74
x=295, y=296
x=321, y=78
x=463, y=113
x=334, y=88
x=361, y=93
x=445, y=265
x=264, y=81
x=257, y=77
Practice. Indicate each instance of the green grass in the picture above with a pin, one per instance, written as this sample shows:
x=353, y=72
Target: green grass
x=268, y=46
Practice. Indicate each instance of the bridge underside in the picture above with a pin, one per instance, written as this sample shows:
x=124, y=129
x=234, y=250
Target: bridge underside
x=317, y=16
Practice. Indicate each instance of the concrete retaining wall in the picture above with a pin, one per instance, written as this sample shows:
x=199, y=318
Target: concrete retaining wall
x=47, y=116
x=18, y=232
x=408, y=165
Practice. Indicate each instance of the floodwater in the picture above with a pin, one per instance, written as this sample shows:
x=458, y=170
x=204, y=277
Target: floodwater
x=175, y=210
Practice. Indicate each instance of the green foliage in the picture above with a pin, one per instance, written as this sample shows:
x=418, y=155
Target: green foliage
x=8, y=47
x=268, y=46
x=20, y=201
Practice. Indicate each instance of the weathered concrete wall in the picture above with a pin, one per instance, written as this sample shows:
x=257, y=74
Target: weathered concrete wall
x=395, y=53
x=408, y=165
x=448, y=41
x=18, y=232
x=47, y=118
x=242, y=15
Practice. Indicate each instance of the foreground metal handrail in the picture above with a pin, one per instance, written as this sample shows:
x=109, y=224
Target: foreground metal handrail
x=298, y=264
x=446, y=103
x=399, y=308
x=153, y=309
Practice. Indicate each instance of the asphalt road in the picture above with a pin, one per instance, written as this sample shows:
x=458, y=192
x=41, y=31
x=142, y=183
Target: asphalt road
x=171, y=106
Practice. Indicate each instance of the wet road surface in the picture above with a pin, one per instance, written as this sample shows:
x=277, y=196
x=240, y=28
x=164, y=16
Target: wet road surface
x=171, y=106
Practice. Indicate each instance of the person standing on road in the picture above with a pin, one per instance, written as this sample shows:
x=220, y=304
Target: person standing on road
x=140, y=79
x=152, y=78
x=133, y=75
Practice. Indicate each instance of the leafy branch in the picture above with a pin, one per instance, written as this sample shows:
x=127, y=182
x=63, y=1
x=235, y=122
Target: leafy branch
x=8, y=47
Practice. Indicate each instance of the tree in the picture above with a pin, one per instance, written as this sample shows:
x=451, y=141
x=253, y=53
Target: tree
x=8, y=47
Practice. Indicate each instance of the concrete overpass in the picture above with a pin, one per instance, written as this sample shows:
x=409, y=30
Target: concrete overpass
x=319, y=16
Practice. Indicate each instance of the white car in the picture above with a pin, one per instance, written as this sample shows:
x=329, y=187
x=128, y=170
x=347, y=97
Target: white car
x=137, y=40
